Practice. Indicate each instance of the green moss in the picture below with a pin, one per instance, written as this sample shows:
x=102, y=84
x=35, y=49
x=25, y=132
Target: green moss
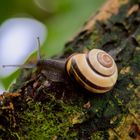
x=100, y=135
x=49, y=120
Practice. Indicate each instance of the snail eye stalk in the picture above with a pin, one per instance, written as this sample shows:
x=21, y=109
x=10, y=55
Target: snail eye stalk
x=25, y=66
x=38, y=51
x=28, y=66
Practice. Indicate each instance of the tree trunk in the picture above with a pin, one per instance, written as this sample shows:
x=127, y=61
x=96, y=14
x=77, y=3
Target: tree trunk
x=45, y=104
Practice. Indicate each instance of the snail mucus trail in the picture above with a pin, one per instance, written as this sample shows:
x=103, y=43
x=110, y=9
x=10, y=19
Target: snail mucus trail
x=95, y=71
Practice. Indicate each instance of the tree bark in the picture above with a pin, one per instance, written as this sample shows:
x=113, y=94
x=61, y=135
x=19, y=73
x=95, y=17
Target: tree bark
x=45, y=104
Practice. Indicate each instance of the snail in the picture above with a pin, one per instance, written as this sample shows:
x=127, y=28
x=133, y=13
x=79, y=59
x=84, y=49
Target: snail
x=96, y=70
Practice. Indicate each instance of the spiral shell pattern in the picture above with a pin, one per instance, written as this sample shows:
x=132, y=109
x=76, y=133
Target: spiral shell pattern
x=96, y=70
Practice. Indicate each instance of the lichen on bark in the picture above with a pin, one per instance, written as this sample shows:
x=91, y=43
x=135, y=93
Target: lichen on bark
x=37, y=107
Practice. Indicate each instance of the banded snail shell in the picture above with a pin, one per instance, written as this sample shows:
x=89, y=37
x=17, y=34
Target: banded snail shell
x=96, y=71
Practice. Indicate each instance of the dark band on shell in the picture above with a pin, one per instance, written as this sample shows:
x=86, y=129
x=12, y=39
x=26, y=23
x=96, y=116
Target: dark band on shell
x=87, y=57
x=74, y=71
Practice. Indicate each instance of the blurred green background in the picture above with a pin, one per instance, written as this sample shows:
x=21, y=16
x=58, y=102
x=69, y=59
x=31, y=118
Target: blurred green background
x=63, y=19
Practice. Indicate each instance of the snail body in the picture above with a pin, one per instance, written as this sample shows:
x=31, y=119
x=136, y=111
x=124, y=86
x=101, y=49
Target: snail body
x=96, y=70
